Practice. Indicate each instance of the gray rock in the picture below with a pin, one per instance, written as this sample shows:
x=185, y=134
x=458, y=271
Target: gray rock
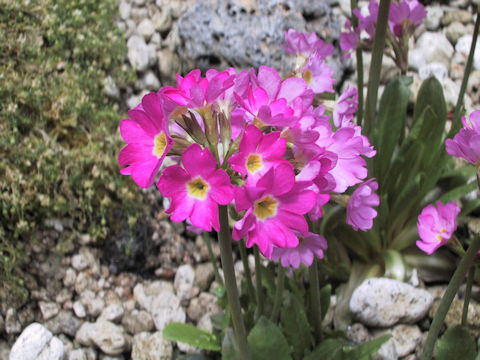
x=433, y=69
x=168, y=64
x=12, y=323
x=249, y=33
x=433, y=18
x=156, y=40
x=455, y=31
x=463, y=47
x=147, y=292
x=205, y=303
x=30, y=343
x=83, y=334
x=205, y=322
x=431, y=47
x=386, y=352
x=83, y=282
x=48, y=309
x=150, y=81
x=183, y=282
x=138, y=54
x=146, y=29
x=4, y=350
x=124, y=9
x=357, y=333
x=108, y=337
x=64, y=323
x=79, y=309
x=93, y=303
x=112, y=312
x=110, y=87
x=85, y=259
x=162, y=21
x=453, y=15
x=148, y=346
x=166, y=309
x=70, y=277
x=52, y=351
x=405, y=338
x=134, y=100
x=77, y=354
x=137, y=321
x=384, y=302
x=204, y=275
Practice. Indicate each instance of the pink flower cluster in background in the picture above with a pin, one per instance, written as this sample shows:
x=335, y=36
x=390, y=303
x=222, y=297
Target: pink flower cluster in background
x=255, y=141
x=466, y=144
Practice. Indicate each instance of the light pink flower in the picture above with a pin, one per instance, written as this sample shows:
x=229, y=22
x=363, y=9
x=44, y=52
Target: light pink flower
x=436, y=225
x=466, y=144
x=274, y=210
x=309, y=247
x=360, y=212
x=405, y=16
x=148, y=141
x=318, y=76
x=349, y=39
x=368, y=22
x=196, y=189
x=345, y=107
x=257, y=153
x=306, y=45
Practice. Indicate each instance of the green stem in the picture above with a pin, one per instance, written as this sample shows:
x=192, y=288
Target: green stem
x=376, y=66
x=258, y=281
x=456, y=124
x=248, y=273
x=208, y=241
x=447, y=298
x=279, y=294
x=225, y=242
x=359, y=56
x=315, y=301
x=468, y=294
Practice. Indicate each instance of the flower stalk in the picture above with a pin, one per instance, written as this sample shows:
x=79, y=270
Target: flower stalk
x=258, y=281
x=208, y=242
x=279, y=294
x=315, y=301
x=447, y=299
x=248, y=273
x=468, y=294
x=359, y=57
x=225, y=242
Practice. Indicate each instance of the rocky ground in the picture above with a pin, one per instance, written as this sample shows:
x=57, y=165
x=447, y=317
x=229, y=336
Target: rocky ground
x=97, y=303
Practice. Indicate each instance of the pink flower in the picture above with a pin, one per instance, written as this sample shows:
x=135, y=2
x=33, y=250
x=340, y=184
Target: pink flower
x=274, y=210
x=405, y=16
x=318, y=76
x=360, y=212
x=466, y=144
x=368, y=22
x=349, y=39
x=436, y=225
x=306, y=45
x=257, y=153
x=345, y=107
x=148, y=141
x=196, y=189
x=309, y=247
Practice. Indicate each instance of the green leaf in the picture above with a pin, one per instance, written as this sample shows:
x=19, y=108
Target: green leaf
x=329, y=349
x=431, y=94
x=295, y=326
x=456, y=343
x=469, y=207
x=365, y=350
x=391, y=123
x=325, y=294
x=395, y=266
x=266, y=342
x=229, y=346
x=459, y=192
x=189, y=334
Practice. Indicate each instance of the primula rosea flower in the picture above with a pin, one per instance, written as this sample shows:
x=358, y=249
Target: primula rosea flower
x=275, y=208
x=349, y=39
x=257, y=153
x=466, y=144
x=196, y=189
x=405, y=16
x=345, y=107
x=309, y=247
x=360, y=212
x=306, y=45
x=148, y=141
x=436, y=225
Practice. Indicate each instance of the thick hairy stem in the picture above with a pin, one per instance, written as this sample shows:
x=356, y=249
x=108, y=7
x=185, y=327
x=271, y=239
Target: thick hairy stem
x=315, y=301
x=248, y=273
x=258, y=281
x=279, y=294
x=468, y=294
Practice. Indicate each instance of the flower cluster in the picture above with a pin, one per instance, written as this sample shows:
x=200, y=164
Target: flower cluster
x=404, y=17
x=257, y=142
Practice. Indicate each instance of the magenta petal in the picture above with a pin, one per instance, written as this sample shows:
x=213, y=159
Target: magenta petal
x=148, y=124
x=181, y=207
x=292, y=88
x=221, y=191
x=144, y=173
x=269, y=79
x=205, y=215
x=173, y=180
x=132, y=132
x=197, y=161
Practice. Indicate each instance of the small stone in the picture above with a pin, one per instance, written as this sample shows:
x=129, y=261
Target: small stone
x=146, y=29
x=455, y=31
x=167, y=309
x=147, y=292
x=156, y=40
x=433, y=69
x=151, y=82
x=84, y=259
x=357, y=333
x=386, y=352
x=112, y=312
x=70, y=277
x=52, y=351
x=205, y=303
x=125, y=9
x=83, y=334
x=168, y=63
x=138, y=53
x=134, y=100
x=83, y=282
x=77, y=354
x=63, y=296
x=64, y=323
x=183, y=282
x=110, y=338
x=204, y=275
x=2, y=324
x=431, y=47
x=48, y=309
x=162, y=21
x=148, y=346
x=454, y=314
x=405, y=338
x=433, y=18
x=137, y=321
x=463, y=47
x=4, y=350
x=12, y=324
x=205, y=323
x=30, y=343
x=79, y=309
x=110, y=87
x=384, y=302
x=462, y=16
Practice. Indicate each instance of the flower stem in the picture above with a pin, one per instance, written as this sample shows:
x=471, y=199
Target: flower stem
x=279, y=294
x=258, y=281
x=359, y=56
x=376, y=65
x=208, y=242
x=468, y=294
x=248, y=273
x=447, y=299
x=456, y=124
x=315, y=301
x=225, y=242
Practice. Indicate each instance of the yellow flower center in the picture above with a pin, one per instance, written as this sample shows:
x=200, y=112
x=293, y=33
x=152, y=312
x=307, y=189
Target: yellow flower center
x=198, y=188
x=254, y=163
x=265, y=207
x=439, y=237
x=259, y=123
x=159, y=144
x=307, y=76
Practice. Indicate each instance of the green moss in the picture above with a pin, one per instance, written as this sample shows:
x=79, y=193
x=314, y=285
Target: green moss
x=58, y=130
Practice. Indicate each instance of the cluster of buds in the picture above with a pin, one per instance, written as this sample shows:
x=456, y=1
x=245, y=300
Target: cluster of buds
x=258, y=143
x=403, y=18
